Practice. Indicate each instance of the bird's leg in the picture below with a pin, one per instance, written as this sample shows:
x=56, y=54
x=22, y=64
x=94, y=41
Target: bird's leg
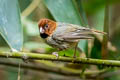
x=74, y=56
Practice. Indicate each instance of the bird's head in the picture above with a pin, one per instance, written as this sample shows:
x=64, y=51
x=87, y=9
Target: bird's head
x=46, y=27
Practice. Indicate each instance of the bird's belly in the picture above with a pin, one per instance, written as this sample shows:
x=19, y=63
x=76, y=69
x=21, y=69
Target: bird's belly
x=61, y=45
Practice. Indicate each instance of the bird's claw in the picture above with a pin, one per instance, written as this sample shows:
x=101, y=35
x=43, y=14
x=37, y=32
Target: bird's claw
x=56, y=54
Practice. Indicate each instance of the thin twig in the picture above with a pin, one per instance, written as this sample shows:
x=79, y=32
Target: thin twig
x=19, y=72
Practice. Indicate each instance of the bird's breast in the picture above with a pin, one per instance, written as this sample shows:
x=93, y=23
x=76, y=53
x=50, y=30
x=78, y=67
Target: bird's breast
x=61, y=45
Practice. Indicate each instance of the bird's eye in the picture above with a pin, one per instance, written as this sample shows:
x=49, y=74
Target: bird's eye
x=46, y=26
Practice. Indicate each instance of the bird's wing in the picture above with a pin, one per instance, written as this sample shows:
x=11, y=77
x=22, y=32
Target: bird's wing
x=73, y=33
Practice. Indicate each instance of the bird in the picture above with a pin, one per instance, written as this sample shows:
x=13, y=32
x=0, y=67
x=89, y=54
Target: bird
x=62, y=35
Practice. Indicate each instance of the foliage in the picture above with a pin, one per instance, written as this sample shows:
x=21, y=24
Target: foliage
x=87, y=13
x=10, y=25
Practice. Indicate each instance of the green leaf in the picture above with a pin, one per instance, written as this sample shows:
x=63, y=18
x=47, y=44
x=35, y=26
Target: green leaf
x=83, y=46
x=24, y=4
x=96, y=50
x=68, y=53
x=98, y=23
x=10, y=25
x=79, y=4
x=98, y=19
x=64, y=11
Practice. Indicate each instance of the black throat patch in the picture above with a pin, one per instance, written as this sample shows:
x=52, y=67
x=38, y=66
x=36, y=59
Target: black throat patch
x=43, y=35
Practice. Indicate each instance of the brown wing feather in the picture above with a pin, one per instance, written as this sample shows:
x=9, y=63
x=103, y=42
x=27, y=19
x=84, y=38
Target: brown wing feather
x=73, y=33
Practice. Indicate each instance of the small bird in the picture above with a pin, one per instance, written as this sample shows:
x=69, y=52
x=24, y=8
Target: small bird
x=63, y=35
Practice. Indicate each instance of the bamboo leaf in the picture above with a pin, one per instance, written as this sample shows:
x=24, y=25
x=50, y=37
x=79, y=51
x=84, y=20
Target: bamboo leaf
x=98, y=23
x=64, y=11
x=10, y=25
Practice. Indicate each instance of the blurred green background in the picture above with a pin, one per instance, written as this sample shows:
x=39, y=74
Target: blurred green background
x=19, y=32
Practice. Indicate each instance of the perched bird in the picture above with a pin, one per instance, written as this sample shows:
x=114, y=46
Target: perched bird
x=63, y=35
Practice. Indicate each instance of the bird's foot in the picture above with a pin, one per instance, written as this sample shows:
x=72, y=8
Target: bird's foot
x=56, y=54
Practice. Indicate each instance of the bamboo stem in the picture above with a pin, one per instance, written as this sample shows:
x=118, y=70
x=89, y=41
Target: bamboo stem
x=36, y=56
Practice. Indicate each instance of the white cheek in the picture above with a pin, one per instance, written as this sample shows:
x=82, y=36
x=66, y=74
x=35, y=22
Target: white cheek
x=41, y=30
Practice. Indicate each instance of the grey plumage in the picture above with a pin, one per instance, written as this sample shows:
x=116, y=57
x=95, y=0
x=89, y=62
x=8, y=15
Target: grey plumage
x=66, y=35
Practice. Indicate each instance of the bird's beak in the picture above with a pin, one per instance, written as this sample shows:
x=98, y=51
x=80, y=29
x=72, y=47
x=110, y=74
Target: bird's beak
x=41, y=30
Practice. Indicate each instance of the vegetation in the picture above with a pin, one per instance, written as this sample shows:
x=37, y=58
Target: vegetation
x=25, y=56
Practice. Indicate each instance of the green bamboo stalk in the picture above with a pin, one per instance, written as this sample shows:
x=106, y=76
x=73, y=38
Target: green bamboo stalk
x=78, y=60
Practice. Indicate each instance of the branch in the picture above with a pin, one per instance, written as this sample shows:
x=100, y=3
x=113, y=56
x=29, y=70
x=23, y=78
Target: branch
x=78, y=60
x=48, y=68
